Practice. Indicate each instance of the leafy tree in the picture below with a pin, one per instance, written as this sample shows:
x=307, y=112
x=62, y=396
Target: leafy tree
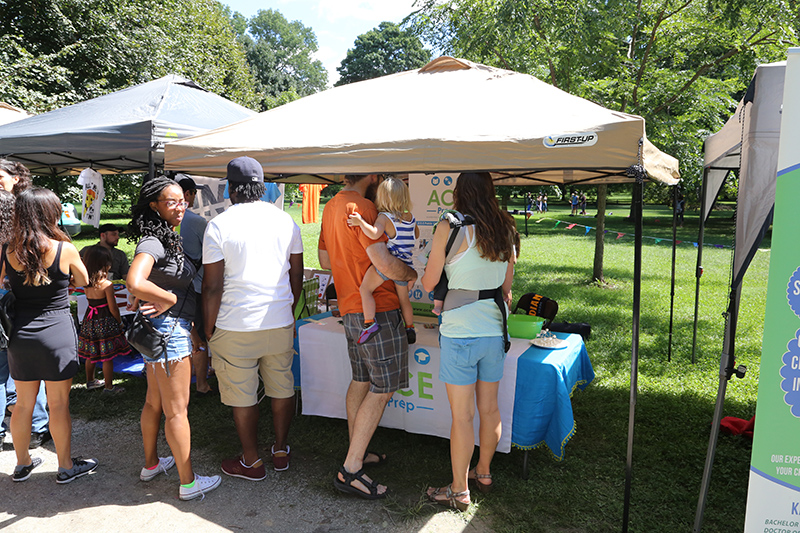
x=280, y=56
x=680, y=64
x=384, y=50
x=64, y=51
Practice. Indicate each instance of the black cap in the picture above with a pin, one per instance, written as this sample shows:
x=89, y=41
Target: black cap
x=108, y=227
x=187, y=184
x=245, y=170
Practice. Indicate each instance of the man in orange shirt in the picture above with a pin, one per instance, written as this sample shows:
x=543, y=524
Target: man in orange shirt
x=379, y=366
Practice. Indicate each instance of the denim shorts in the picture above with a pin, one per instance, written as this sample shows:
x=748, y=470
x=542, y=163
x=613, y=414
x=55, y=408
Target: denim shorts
x=179, y=344
x=386, y=278
x=465, y=361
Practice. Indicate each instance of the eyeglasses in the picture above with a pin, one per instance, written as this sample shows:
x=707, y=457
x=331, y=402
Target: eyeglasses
x=172, y=204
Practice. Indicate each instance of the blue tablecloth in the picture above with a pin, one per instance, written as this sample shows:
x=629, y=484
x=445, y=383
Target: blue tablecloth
x=546, y=379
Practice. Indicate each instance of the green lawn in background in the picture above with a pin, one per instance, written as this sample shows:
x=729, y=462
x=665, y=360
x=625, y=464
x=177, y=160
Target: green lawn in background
x=584, y=492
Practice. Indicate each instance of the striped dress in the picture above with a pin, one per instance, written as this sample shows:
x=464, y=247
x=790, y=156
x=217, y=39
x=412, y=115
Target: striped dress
x=402, y=245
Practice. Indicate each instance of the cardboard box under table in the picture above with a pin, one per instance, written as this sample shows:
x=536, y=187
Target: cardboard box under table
x=534, y=395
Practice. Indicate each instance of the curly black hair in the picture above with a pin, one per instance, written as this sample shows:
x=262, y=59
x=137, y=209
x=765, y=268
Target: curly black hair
x=6, y=215
x=147, y=223
x=248, y=192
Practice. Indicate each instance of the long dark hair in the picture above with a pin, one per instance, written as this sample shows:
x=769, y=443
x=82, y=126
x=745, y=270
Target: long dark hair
x=6, y=215
x=474, y=195
x=98, y=262
x=15, y=168
x=36, y=215
x=147, y=223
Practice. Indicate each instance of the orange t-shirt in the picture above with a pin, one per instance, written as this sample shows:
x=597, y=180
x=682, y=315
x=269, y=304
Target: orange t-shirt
x=347, y=249
x=311, y=201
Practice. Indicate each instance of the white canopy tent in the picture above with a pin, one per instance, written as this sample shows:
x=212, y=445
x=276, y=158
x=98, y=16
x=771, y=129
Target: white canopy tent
x=9, y=113
x=451, y=115
x=748, y=145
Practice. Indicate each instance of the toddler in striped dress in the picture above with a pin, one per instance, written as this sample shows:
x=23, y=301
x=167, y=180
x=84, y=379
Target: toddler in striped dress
x=393, y=202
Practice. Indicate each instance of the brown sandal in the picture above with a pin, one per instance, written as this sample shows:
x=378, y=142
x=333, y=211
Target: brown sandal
x=475, y=477
x=450, y=497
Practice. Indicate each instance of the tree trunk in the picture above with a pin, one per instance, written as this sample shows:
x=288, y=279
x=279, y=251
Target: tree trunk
x=599, y=241
x=505, y=194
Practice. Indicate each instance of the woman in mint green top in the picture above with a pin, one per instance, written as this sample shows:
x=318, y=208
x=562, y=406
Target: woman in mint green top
x=472, y=337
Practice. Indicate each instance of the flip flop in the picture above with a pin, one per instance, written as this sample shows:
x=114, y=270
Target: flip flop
x=474, y=477
x=347, y=487
x=382, y=459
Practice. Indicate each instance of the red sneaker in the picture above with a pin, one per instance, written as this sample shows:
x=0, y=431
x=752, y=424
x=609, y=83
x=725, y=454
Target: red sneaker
x=236, y=468
x=280, y=459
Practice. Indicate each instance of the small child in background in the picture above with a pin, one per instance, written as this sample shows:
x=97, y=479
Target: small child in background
x=100, y=339
x=396, y=221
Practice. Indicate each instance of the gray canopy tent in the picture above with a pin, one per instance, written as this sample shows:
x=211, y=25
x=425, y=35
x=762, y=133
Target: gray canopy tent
x=452, y=115
x=747, y=145
x=124, y=131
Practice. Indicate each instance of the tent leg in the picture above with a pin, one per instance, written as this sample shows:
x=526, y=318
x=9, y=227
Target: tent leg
x=151, y=165
x=672, y=281
x=699, y=269
x=636, y=207
x=726, y=371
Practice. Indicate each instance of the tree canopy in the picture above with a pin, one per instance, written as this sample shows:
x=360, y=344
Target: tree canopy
x=280, y=56
x=384, y=50
x=57, y=52
x=680, y=64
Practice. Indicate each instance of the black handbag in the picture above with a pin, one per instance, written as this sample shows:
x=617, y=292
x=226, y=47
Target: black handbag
x=143, y=335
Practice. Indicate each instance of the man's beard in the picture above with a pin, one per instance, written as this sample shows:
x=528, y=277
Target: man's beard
x=371, y=192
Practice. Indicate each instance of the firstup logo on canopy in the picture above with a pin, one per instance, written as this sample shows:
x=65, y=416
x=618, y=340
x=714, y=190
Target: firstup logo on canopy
x=570, y=139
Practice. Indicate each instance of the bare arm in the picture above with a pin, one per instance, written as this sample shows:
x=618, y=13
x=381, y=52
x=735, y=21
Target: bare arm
x=213, y=279
x=80, y=278
x=436, y=259
x=373, y=232
x=508, y=281
x=159, y=299
x=296, y=277
x=324, y=259
x=388, y=264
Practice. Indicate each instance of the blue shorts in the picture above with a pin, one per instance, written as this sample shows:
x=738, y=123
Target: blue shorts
x=385, y=278
x=465, y=361
x=180, y=342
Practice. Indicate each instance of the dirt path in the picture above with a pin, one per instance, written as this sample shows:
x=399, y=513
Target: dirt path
x=113, y=499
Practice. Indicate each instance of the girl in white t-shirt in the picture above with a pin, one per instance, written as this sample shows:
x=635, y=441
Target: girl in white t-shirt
x=396, y=221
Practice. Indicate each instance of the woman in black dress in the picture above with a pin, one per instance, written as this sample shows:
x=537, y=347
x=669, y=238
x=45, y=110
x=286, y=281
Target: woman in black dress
x=41, y=263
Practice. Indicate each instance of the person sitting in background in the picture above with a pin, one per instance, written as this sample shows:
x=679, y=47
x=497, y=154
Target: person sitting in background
x=109, y=238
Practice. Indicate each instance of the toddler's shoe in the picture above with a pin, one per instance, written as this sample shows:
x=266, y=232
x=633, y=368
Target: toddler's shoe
x=411, y=333
x=369, y=332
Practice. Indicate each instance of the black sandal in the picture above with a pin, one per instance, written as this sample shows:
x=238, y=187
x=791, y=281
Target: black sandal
x=382, y=459
x=346, y=486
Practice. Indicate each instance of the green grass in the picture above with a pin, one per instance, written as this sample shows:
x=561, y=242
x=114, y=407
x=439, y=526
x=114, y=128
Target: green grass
x=584, y=492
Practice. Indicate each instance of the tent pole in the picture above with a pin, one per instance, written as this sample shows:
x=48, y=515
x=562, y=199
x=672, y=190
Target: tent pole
x=151, y=164
x=672, y=282
x=636, y=207
x=726, y=371
x=699, y=269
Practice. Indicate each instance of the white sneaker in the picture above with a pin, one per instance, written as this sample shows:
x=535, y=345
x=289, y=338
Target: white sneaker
x=164, y=464
x=202, y=484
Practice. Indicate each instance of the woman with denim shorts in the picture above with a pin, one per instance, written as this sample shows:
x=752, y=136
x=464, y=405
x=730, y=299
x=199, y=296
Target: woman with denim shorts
x=471, y=336
x=160, y=280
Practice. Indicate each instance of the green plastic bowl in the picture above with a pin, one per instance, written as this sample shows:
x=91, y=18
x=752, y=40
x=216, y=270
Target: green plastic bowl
x=524, y=326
